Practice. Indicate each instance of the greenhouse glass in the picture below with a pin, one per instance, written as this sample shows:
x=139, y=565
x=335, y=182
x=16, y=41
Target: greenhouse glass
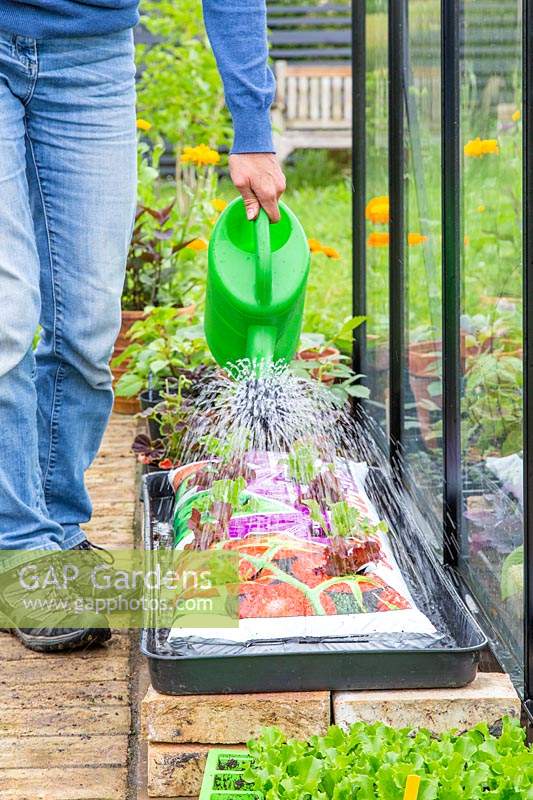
x=442, y=240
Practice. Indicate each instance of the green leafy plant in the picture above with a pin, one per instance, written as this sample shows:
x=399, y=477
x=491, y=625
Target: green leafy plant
x=302, y=462
x=331, y=366
x=512, y=577
x=493, y=404
x=164, y=345
x=179, y=89
x=166, y=260
x=373, y=761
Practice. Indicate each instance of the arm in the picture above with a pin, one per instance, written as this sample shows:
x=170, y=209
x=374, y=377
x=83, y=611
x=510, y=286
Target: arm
x=237, y=32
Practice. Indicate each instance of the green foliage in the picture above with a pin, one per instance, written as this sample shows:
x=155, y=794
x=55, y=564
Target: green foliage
x=493, y=404
x=348, y=521
x=161, y=267
x=228, y=491
x=163, y=345
x=302, y=462
x=512, y=577
x=317, y=168
x=179, y=90
x=331, y=366
x=372, y=762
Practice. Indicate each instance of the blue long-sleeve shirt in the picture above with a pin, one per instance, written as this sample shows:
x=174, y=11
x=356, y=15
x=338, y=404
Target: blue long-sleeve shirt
x=236, y=29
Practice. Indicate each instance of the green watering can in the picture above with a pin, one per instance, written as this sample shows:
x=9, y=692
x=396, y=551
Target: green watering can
x=256, y=283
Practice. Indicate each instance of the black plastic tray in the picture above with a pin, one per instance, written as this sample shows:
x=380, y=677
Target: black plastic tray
x=351, y=664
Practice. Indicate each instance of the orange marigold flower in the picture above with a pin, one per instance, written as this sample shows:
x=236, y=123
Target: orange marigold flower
x=143, y=124
x=317, y=247
x=378, y=210
x=477, y=148
x=516, y=116
x=200, y=156
x=314, y=245
x=197, y=244
x=378, y=240
x=218, y=204
x=330, y=252
x=466, y=241
x=416, y=238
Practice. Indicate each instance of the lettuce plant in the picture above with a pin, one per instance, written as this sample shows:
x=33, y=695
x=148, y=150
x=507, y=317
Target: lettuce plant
x=372, y=762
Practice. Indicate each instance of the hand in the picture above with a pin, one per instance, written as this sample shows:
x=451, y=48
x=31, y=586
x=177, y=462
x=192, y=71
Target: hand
x=259, y=179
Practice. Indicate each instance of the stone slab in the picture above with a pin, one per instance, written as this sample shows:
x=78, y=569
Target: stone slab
x=176, y=770
x=83, y=783
x=57, y=720
x=62, y=695
x=490, y=697
x=63, y=751
x=232, y=719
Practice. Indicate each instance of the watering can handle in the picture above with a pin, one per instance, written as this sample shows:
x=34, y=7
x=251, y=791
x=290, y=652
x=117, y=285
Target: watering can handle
x=263, y=259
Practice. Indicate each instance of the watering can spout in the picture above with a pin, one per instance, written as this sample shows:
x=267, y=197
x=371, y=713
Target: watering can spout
x=261, y=344
x=256, y=283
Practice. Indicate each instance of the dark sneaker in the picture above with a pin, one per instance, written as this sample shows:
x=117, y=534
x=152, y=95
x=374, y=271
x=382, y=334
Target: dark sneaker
x=54, y=626
x=100, y=553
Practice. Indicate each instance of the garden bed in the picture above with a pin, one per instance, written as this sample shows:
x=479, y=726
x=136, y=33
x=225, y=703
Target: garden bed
x=373, y=661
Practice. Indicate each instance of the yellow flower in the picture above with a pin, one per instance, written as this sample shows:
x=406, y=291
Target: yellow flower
x=197, y=244
x=516, y=116
x=378, y=210
x=330, y=252
x=477, y=148
x=481, y=209
x=218, y=204
x=200, y=156
x=416, y=238
x=143, y=125
x=378, y=240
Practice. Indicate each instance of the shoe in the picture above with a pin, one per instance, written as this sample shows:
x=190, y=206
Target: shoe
x=100, y=554
x=55, y=627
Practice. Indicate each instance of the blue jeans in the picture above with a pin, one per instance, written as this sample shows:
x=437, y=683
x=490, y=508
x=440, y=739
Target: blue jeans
x=67, y=201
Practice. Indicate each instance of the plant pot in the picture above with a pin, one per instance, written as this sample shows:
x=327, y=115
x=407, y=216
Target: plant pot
x=328, y=355
x=150, y=398
x=125, y=405
x=423, y=359
x=223, y=776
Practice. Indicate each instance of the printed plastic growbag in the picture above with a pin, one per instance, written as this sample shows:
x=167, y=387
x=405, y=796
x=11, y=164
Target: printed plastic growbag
x=312, y=551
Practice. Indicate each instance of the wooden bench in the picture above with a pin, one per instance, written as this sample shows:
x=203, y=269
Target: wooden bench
x=313, y=107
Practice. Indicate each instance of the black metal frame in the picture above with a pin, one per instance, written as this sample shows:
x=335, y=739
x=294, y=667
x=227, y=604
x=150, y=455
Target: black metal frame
x=397, y=24
x=451, y=276
x=451, y=259
x=528, y=348
x=359, y=180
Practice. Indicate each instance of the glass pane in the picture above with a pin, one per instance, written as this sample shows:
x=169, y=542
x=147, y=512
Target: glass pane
x=377, y=210
x=423, y=389
x=491, y=330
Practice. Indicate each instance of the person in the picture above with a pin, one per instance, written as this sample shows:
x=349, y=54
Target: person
x=68, y=185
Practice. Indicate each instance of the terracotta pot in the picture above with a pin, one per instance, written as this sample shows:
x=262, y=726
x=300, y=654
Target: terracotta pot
x=328, y=355
x=125, y=405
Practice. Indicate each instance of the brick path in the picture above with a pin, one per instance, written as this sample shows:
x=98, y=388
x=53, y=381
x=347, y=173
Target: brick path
x=65, y=719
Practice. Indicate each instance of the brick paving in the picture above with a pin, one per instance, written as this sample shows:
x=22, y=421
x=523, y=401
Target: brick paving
x=65, y=720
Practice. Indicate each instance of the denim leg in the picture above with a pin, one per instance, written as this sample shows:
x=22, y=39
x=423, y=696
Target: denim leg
x=24, y=522
x=82, y=180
